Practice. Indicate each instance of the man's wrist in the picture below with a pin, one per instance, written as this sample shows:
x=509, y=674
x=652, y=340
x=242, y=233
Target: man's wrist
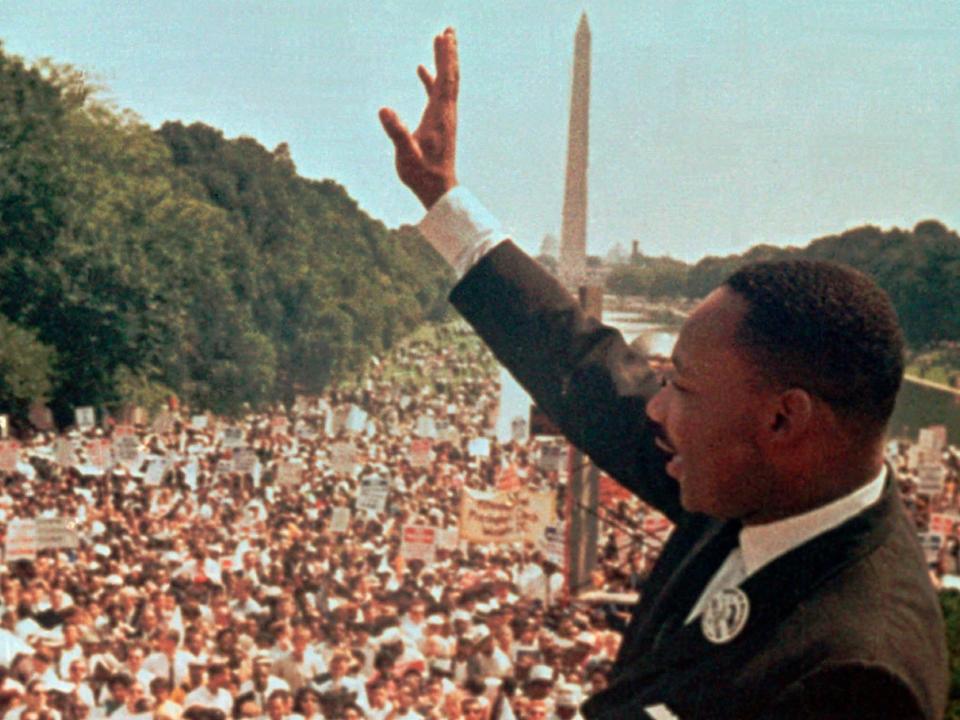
x=461, y=229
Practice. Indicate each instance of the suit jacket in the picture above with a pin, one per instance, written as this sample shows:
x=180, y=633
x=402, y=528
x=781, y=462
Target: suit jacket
x=846, y=625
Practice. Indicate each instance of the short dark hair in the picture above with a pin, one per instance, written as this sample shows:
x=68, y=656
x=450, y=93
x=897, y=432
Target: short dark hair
x=827, y=328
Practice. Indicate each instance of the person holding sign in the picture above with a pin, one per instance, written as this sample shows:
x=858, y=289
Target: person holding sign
x=793, y=585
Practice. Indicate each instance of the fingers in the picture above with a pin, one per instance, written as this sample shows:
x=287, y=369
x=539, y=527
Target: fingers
x=397, y=132
x=426, y=78
x=448, y=64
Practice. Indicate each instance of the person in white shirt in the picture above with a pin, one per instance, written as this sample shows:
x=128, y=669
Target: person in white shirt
x=214, y=693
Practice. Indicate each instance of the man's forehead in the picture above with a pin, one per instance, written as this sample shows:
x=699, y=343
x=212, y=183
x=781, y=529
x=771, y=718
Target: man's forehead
x=708, y=331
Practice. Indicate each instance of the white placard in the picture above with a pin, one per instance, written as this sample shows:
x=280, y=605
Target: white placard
x=419, y=542
x=420, y=452
x=21, y=540
x=85, y=417
x=343, y=458
x=63, y=452
x=933, y=438
x=340, y=520
x=199, y=422
x=127, y=449
x=356, y=420
x=551, y=457
x=9, y=455
x=155, y=471
x=233, y=437
x=100, y=453
x=190, y=472
x=289, y=473
x=244, y=461
x=930, y=477
x=479, y=447
x=55, y=533
x=373, y=494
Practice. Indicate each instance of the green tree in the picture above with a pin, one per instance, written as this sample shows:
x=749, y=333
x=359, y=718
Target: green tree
x=26, y=366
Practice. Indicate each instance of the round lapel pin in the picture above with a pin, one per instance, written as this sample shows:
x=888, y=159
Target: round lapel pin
x=725, y=615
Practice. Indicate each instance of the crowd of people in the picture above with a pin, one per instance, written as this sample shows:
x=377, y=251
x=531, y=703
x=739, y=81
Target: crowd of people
x=206, y=586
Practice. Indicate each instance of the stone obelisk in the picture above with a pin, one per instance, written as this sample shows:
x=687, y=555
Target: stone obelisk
x=573, y=235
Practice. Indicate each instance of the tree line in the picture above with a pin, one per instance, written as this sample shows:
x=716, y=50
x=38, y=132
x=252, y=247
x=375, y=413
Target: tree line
x=919, y=268
x=139, y=263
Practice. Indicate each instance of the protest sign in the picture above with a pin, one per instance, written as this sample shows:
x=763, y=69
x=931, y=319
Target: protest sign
x=9, y=455
x=343, y=457
x=244, y=461
x=155, y=471
x=373, y=494
x=551, y=457
x=420, y=452
x=85, y=417
x=126, y=447
x=356, y=420
x=930, y=478
x=199, y=422
x=505, y=517
x=479, y=447
x=54, y=533
x=553, y=544
x=418, y=543
x=100, y=452
x=232, y=437
x=931, y=543
x=190, y=472
x=289, y=473
x=340, y=519
x=933, y=438
x=63, y=452
x=21, y=540
x=944, y=523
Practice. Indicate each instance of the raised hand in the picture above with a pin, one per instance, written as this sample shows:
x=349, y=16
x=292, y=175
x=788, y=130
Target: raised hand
x=426, y=159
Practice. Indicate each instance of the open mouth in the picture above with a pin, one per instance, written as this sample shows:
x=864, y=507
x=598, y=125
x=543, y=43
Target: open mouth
x=665, y=446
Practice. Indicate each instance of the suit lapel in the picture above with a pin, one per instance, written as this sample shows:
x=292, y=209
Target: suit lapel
x=671, y=602
x=776, y=588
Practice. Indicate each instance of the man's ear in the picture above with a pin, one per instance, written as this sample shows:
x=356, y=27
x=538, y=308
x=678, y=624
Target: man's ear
x=793, y=415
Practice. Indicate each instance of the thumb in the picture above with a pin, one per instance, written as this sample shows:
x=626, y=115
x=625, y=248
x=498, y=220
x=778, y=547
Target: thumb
x=397, y=132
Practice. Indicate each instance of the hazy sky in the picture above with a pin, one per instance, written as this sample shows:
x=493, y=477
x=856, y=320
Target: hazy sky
x=715, y=125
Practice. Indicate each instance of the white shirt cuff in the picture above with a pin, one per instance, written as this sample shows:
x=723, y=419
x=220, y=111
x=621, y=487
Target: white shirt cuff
x=461, y=229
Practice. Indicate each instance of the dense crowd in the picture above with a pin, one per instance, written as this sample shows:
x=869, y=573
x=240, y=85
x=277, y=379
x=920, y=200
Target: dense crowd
x=210, y=581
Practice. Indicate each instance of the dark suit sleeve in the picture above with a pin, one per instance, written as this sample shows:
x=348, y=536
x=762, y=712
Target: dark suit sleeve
x=580, y=372
x=849, y=692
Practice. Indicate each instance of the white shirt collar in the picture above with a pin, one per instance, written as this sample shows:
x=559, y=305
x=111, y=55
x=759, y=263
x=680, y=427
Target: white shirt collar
x=761, y=544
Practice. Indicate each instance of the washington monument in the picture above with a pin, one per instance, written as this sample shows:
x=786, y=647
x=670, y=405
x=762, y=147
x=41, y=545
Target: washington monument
x=573, y=235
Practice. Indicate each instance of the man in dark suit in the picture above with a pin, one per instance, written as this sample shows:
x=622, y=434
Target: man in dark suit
x=793, y=585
